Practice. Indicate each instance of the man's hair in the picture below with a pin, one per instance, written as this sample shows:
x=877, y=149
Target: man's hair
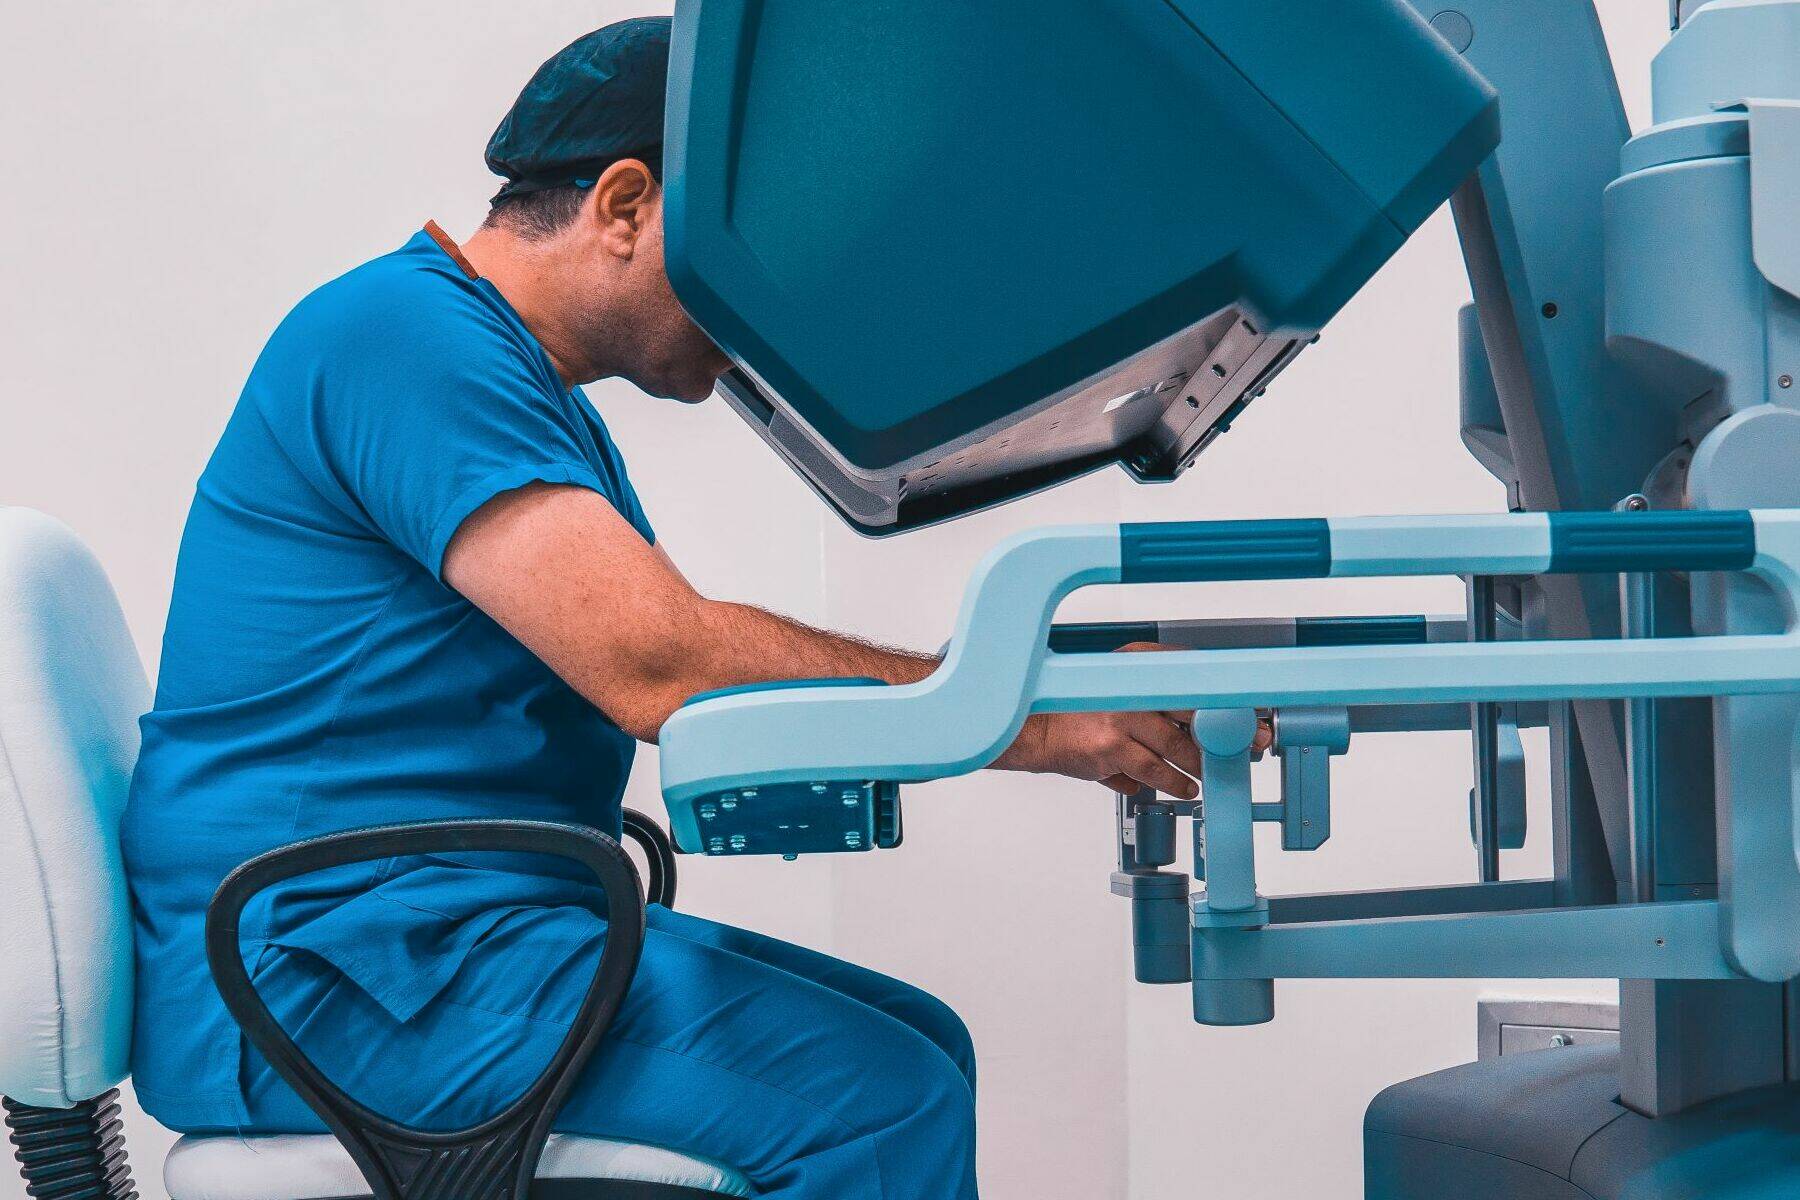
x=535, y=216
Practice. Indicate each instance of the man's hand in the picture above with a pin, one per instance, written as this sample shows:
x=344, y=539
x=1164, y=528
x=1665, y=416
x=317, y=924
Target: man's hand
x=1125, y=751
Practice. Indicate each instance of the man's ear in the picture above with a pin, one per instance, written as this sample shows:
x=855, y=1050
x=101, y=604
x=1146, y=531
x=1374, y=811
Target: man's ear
x=621, y=204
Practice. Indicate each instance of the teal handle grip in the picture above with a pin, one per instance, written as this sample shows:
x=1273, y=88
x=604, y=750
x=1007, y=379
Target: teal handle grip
x=1198, y=551
x=1655, y=541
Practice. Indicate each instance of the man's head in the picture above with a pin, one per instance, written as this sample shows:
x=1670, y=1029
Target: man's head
x=580, y=216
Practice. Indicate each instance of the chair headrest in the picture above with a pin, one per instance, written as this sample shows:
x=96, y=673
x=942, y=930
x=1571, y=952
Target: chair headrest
x=71, y=690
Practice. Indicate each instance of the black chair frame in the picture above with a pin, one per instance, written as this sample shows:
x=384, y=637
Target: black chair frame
x=496, y=1159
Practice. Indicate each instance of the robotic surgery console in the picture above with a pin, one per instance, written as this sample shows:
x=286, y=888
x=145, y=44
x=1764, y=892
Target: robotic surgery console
x=1628, y=373
x=914, y=365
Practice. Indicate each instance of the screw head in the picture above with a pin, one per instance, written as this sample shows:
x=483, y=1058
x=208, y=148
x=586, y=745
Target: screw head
x=1550, y=310
x=1786, y=381
x=1456, y=28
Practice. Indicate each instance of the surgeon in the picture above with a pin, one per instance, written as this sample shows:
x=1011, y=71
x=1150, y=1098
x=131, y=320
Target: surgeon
x=416, y=583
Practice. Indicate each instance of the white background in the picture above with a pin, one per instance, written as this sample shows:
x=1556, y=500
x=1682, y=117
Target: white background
x=176, y=175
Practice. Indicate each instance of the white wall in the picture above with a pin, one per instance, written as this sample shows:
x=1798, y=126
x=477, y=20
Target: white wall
x=177, y=174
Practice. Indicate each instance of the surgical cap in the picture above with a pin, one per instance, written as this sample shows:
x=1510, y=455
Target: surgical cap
x=595, y=102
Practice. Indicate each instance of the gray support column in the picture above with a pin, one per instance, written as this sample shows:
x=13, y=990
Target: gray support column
x=1531, y=225
x=1683, y=1043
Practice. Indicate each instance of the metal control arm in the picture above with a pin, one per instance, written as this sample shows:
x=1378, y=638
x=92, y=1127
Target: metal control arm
x=999, y=669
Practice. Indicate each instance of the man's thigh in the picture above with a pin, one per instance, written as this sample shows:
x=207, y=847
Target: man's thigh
x=714, y=1052
x=912, y=1005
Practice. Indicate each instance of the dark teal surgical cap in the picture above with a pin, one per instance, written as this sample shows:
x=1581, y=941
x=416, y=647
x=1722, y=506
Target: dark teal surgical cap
x=595, y=102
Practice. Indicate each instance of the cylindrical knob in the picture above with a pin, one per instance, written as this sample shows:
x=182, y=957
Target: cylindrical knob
x=1234, y=1001
x=1155, y=829
x=1159, y=939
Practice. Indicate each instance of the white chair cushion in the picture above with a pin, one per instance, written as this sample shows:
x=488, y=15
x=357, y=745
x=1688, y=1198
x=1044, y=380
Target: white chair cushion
x=71, y=690
x=313, y=1167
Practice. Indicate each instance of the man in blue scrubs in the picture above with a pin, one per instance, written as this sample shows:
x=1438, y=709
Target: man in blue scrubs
x=416, y=583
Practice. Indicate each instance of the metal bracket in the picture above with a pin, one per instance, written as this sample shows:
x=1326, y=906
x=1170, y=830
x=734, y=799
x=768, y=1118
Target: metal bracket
x=1305, y=741
x=1509, y=784
x=1666, y=940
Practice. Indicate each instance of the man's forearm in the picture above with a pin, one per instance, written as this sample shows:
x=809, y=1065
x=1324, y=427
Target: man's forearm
x=755, y=646
x=726, y=644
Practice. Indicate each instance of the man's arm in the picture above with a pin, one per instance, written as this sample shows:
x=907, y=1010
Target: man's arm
x=563, y=572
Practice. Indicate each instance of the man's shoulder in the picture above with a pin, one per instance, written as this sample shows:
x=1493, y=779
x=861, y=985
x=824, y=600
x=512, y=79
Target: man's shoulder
x=411, y=303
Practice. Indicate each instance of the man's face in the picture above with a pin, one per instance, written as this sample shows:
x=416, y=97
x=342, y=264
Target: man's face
x=664, y=352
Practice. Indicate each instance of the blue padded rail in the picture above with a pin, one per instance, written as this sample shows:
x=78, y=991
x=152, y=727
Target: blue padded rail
x=1652, y=541
x=1104, y=637
x=1101, y=637
x=1360, y=631
x=1195, y=551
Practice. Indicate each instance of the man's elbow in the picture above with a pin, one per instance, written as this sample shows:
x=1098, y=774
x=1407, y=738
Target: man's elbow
x=643, y=715
x=643, y=693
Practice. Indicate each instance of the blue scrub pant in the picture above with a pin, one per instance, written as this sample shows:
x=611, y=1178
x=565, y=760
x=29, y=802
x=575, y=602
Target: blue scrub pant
x=817, y=1079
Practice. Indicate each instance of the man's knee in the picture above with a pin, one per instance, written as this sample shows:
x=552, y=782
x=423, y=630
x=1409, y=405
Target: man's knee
x=937, y=1095
x=941, y=1025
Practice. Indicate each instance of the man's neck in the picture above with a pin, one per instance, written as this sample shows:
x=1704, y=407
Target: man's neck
x=528, y=276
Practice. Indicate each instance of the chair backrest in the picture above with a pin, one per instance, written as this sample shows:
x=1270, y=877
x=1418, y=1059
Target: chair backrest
x=71, y=690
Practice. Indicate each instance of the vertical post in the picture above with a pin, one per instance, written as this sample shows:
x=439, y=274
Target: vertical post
x=1531, y=224
x=1228, y=843
x=1225, y=854
x=1484, y=723
x=1637, y=609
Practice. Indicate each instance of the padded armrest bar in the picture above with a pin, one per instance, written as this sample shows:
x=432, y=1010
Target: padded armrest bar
x=998, y=668
x=497, y=1158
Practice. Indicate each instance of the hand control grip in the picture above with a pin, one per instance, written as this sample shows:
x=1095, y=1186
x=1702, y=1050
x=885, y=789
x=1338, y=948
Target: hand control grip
x=1196, y=551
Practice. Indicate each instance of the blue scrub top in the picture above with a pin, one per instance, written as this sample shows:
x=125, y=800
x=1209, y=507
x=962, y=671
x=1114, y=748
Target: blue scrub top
x=317, y=674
